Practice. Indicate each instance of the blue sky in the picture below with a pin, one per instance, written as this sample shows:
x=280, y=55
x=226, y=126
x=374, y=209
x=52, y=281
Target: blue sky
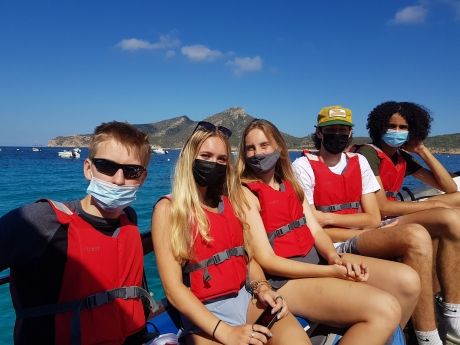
x=66, y=66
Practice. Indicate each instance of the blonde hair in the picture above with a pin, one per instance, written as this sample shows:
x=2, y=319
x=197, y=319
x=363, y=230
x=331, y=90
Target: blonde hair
x=283, y=168
x=124, y=133
x=187, y=213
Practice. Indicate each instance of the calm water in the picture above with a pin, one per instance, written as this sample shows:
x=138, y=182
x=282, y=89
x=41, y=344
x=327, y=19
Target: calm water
x=26, y=176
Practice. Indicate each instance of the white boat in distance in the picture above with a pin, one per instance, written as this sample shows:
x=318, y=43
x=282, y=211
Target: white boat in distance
x=158, y=150
x=75, y=153
x=35, y=149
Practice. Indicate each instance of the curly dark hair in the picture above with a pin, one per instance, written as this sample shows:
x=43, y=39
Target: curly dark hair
x=417, y=116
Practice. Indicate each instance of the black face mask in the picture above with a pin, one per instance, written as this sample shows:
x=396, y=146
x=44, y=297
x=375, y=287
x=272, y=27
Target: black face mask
x=335, y=143
x=209, y=174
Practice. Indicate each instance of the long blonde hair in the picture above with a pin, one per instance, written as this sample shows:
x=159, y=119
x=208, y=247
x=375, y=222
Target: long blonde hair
x=283, y=168
x=187, y=213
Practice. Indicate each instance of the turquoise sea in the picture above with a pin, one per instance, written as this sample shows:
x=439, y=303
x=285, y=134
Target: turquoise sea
x=26, y=176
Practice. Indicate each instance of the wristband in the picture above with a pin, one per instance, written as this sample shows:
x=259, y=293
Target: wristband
x=213, y=332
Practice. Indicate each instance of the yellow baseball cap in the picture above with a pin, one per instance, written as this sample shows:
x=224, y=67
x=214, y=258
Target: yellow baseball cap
x=334, y=115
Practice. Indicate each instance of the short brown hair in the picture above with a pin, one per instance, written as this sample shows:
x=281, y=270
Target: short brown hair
x=124, y=133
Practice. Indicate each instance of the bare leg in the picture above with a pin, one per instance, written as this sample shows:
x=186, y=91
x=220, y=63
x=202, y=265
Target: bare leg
x=398, y=279
x=364, y=309
x=412, y=244
x=443, y=224
x=286, y=328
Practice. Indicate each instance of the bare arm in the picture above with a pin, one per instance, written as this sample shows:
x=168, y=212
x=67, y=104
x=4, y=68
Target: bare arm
x=436, y=176
x=399, y=208
x=368, y=218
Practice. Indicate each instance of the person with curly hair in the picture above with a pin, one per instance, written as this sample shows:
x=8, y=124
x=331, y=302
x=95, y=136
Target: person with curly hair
x=398, y=129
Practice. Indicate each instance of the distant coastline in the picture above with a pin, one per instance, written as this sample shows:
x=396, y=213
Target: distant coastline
x=171, y=133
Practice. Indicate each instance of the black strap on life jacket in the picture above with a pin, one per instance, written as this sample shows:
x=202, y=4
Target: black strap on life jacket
x=339, y=207
x=90, y=302
x=287, y=228
x=214, y=260
x=391, y=194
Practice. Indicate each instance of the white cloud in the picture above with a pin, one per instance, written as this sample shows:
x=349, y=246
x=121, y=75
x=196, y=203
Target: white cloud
x=410, y=15
x=241, y=65
x=166, y=42
x=198, y=52
x=132, y=44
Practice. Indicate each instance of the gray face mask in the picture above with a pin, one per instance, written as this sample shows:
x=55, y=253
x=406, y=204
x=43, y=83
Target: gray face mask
x=263, y=163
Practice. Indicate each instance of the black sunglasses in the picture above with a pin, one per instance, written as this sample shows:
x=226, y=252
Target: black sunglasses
x=109, y=168
x=210, y=127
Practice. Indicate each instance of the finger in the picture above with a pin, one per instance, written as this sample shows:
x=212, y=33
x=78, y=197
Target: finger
x=357, y=270
x=349, y=269
x=262, y=333
x=257, y=337
x=284, y=311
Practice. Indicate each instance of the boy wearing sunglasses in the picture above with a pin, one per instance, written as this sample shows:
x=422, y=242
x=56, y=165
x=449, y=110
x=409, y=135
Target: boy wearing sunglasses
x=76, y=270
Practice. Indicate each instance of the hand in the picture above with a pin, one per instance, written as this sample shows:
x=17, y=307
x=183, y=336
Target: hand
x=247, y=334
x=350, y=271
x=415, y=146
x=356, y=272
x=275, y=300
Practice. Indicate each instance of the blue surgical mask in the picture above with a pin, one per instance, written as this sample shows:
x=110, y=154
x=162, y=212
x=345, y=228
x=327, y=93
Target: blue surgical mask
x=395, y=138
x=109, y=196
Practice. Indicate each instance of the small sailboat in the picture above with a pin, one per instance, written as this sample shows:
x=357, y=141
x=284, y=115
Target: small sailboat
x=158, y=150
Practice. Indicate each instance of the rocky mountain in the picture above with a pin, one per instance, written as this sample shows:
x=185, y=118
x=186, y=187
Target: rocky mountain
x=172, y=133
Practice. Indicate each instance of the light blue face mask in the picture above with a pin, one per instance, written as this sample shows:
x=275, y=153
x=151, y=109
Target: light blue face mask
x=395, y=138
x=109, y=196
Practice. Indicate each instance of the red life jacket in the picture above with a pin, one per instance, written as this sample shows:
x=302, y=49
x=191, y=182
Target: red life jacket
x=337, y=193
x=282, y=212
x=218, y=268
x=392, y=175
x=97, y=263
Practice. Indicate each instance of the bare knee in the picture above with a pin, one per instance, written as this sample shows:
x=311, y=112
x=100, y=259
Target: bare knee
x=450, y=219
x=418, y=241
x=385, y=310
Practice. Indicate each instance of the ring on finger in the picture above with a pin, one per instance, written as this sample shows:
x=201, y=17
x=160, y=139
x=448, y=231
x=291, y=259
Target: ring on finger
x=278, y=297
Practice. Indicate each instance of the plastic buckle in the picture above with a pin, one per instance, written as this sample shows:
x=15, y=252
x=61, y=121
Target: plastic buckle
x=279, y=232
x=96, y=300
x=216, y=259
x=129, y=292
x=335, y=208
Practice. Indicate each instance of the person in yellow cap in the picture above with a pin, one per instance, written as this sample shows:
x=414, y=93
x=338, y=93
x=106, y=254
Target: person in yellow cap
x=341, y=189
